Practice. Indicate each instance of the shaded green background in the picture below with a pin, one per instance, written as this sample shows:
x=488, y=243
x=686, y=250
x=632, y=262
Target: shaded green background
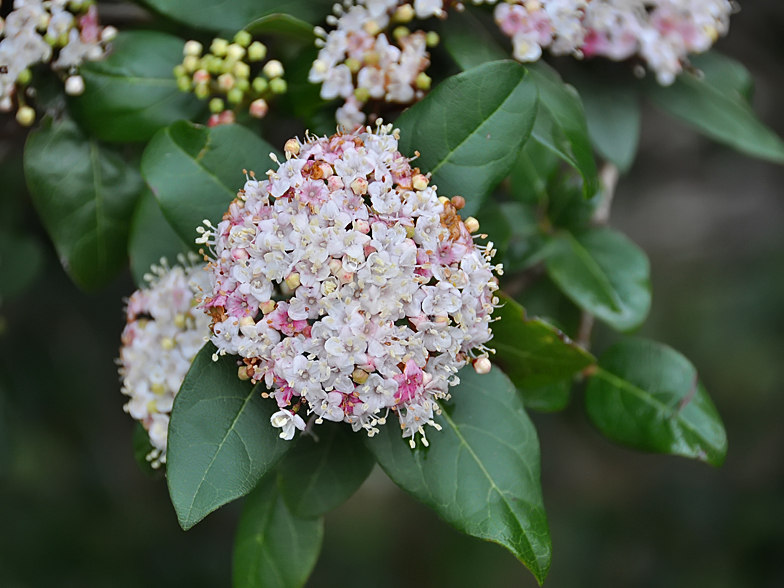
x=76, y=511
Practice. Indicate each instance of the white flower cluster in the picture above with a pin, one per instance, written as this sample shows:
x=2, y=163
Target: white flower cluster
x=349, y=287
x=359, y=63
x=164, y=333
x=662, y=32
x=33, y=31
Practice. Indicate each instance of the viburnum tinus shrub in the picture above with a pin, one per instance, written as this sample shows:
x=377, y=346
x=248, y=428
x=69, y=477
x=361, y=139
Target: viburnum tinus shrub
x=421, y=262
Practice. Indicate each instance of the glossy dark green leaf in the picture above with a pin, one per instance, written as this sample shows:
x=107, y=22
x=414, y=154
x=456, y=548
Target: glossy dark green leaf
x=481, y=472
x=561, y=125
x=195, y=171
x=322, y=472
x=470, y=128
x=282, y=24
x=530, y=177
x=532, y=352
x=216, y=15
x=715, y=104
x=85, y=193
x=612, y=111
x=274, y=548
x=604, y=273
x=133, y=93
x=648, y=396
x=151, y=238
x=468, y=41
x=725, y=73
x=548, y=398
x=221, y=441
x=525, y=244
x=21, y=262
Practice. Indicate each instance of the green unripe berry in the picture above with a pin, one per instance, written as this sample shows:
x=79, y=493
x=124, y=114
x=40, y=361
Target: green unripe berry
x=217, y=106
x=257, y=51
x=278, y=86
x=235, y=96
x=243, y=38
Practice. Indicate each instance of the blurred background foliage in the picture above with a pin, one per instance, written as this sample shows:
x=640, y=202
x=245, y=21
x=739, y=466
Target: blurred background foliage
x=77, y=511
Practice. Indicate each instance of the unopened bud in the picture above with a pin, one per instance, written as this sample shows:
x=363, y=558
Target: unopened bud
x=267, y=307
x=292, y=147
x=202, y=91
x=423, y=81
x=241, y=69
x=273, y=69
x=190, y=63
x=362, y=94
x=360, y=376
x=372, y=28
x=25, y=116
x=243, y=38
x=359, y=186
x=278, y=86
x=471, y=224
x=242, y=373
x=482, y=365
x=458, y=202
x=259, y=108
x=400, y=33
x=74, y=86
x=404, y=14
x=219, y=47
x=335, y=266
x=443, y=200
x=217, y=106
x=24, y=77
x=419, y=182
x=335, y=183
x=226, y=82
x=247, y=321
x=179, y=71
x=410, y=231
x=363, y=226
x=167, y=343
x=158, y=389
x=235, y=52
x=353, y=64
x=108, y=34
x=257, y=51
x=432, y=39
x=180, y=320
x=201, y=76
x=192, y=48
x=292, y=280
x=260, y=85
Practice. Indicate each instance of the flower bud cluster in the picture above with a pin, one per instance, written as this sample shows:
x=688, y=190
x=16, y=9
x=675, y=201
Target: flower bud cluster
x=661, y=32
x=348, y=286
x=359, y=62
x=165, y=330
x=224, y=74
x=62, y=33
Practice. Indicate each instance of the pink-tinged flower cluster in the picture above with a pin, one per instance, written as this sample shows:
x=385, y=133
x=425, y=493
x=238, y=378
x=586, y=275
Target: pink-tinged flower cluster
x=47, y=31
x=348, y=287
x=360, y=63
x=165, y=330
x=662, y=32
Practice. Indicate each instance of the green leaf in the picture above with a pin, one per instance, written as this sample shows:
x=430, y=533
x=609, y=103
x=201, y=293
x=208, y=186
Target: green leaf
x=648, y=396
x=603, y=273
x=21, y=262
x=274, y=548
x=133, y=93
x=716, y=105
x=470, y=129
x=282, y=24
x=481, y=472
x=221, y=441
x=548, y=398
x=532, y=352
x=725, y=73
x=561, y=125
x=151, y=238
x=530, y=177
x=525, y=244
x=324, y=470
x=195, y=171
x=467, y=40
x=216, y=15
x=85, y=193
x=612, y=111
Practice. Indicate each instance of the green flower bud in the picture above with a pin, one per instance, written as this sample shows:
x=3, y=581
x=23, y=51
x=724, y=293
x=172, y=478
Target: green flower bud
x=184, y=84
x=362, y=94
x=278, y=86
x=217, y=106
x=192, y=48
x=242, y=84
x=25, y=116
x=260, y=85
x=423, y=81
x=50, y=39
x=235, y=96
x=432, y=39
x=212, y=63
x=257, y=51
x=235, y=52
x=219, y=47
x=243, y=38
x=226, y=82
x=202, y=91
x=400, y=33
x=353, y=64
x=190, y=63
x=241, y=70
x=24, y=77
x=179, y=71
